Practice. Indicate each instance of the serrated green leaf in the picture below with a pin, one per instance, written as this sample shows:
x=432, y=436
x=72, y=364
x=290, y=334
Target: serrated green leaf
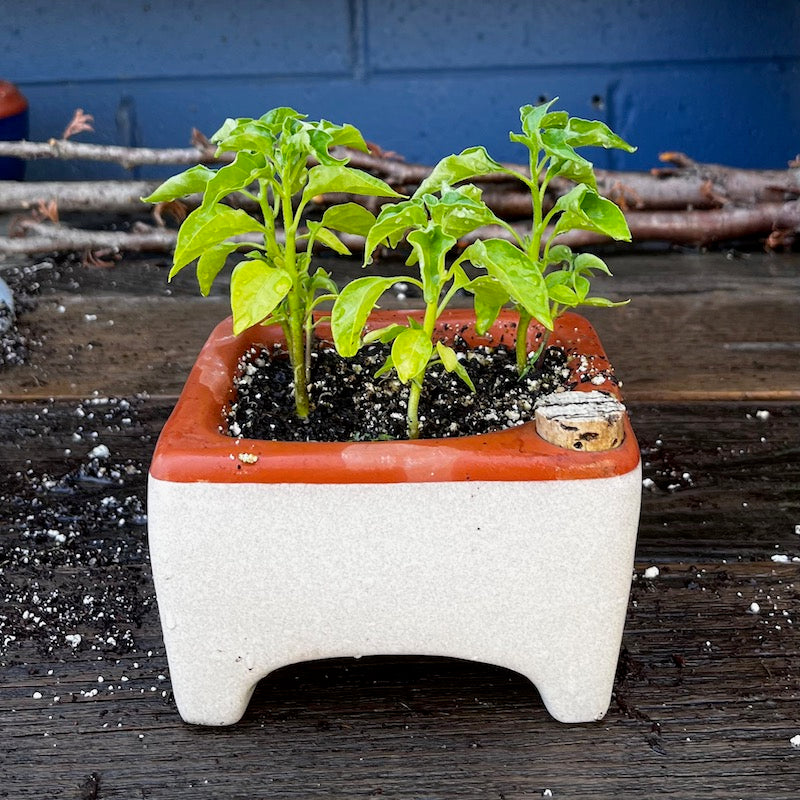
x=518, y=275
x=191, y=181
x=489, y=297
x=323, y=179
x=411, y=352
x=210, y=263
x=393, y=221
x=351, y=310
x=256, y=290
x=468, y=164
x=431, y=245
x=586, y=210
x=206, y=227
x=328, y=238
x=451, y=363
x=584, y=132
x=349, y=218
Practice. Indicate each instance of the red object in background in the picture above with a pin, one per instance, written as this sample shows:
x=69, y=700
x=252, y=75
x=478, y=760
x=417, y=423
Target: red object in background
x=13, y=126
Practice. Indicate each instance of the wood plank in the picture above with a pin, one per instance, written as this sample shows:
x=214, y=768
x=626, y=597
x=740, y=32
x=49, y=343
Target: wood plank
x=698, y=327
x=705, y=701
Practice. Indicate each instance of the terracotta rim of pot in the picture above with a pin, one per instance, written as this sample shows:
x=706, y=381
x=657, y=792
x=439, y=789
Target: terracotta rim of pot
x=193, y=447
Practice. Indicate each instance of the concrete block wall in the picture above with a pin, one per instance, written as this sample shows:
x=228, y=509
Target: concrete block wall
x=718, y=79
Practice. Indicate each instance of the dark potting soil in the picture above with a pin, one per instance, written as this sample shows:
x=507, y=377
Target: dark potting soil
x=350, y=404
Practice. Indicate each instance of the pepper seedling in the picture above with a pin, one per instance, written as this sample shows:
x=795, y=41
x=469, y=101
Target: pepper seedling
x=431, y=225
x=274, y=167
x=554, y=276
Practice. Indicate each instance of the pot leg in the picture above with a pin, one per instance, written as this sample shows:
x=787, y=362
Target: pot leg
x=209, y=694
x=576, y=685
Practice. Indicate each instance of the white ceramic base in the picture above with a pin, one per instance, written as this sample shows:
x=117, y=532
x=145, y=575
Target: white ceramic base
x=533, y=576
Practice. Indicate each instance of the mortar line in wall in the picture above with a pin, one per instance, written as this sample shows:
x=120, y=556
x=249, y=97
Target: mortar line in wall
x=785, y=62
x=358, y=38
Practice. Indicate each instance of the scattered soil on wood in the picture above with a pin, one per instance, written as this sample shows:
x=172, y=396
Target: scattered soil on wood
x=350, y=404
x=15, y=338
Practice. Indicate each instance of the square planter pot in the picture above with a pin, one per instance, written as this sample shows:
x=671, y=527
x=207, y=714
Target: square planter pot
x=500, y=548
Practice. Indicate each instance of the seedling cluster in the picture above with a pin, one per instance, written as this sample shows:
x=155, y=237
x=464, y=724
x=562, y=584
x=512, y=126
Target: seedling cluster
x=282, y=161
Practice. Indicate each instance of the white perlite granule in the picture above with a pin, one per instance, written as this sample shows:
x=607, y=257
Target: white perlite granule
x=652, y=572
x=795, y=742
x=754, y=608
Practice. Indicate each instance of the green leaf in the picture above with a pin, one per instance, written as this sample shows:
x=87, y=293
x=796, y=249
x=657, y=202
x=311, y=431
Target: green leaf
x=245, y=134
x=586, y=210
x=349, y=218
x=207, y=226
x=602, y=302
x=239, y=174
x=489, y=297
x=451, y=363
x=453, y=169
x=559, y=253
x=431, y=245
x=384, y=335
x=461, y=211
x=256, y=290
x=323, y=179
x=321, y=281
x=387, y=367
x=328, y=238
x=345, y=136
x=533, y=117
x=211, y=262
x=411, y=352
x=569, y=164
x=584, y=132
x=517, y=274
x=585, y=262
x=190, y=181
x=275, y=118
x=564, y=295
x=393, y=221
x=351, y=310
x=581, y=284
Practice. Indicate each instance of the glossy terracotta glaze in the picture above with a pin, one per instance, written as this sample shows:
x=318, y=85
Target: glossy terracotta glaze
x=193, y=448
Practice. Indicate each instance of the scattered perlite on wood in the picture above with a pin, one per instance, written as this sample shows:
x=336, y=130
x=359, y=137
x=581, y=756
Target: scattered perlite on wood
x=590, y=421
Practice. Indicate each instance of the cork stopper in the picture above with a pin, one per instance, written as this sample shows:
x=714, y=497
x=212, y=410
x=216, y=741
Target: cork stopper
x=581, y=421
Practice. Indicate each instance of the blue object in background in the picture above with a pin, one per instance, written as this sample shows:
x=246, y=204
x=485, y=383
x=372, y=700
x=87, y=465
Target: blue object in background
x=13, y=126
x=718, y=80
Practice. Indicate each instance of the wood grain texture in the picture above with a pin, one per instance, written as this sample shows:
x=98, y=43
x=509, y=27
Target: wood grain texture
x=707, y=692
x=699, y=327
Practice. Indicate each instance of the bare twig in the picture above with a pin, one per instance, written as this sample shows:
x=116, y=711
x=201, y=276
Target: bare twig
x=128, y=157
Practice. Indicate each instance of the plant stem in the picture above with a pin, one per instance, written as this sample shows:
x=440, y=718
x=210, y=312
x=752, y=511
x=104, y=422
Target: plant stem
x=521, y=345
x=415, y=391
x=296, y=339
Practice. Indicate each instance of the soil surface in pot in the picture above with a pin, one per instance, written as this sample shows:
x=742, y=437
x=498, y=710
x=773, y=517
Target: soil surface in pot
x=350, y=404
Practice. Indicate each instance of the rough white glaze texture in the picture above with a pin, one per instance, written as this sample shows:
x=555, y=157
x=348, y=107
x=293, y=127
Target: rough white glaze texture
x=533, y=576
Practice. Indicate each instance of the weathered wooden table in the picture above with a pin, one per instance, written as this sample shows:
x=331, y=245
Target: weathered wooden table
x=708, y=690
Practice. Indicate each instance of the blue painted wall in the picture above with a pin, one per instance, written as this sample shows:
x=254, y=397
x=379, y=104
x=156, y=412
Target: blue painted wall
x=718, y=79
